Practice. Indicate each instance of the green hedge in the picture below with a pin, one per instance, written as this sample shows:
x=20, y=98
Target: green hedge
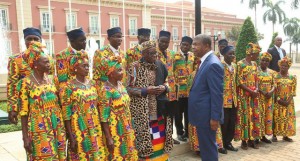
x=247, y=35
x=10, y=127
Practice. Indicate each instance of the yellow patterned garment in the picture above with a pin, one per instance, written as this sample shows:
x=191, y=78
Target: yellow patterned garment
x=248, y=113
x=133, y=54
x=62, y=66
x=168, y=60
x=284, y=117
x=18, y=68
x=183, y=71
x=266, y=82
x=230, y=96
x=80, y=106
x=193, y=138
x=114, y=109
x=46, y=128
x=98, y=75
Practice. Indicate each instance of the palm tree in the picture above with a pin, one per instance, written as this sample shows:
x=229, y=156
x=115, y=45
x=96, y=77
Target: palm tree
x=296, y=41
x=274, y=13
x=290, y=28
x=295, y=4
x=252, y=5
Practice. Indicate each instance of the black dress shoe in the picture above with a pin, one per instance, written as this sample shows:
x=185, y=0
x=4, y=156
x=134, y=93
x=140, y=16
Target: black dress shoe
x=198, y=153
x=176, y=141
x=264, y=139
x=274, y=139
x=285, y=138
x=222, y=150
x=231, y=148
x=181, y=138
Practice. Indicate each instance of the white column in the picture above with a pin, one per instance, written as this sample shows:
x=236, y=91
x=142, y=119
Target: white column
x=70, y=14
x=124, y=30
x=99, y=22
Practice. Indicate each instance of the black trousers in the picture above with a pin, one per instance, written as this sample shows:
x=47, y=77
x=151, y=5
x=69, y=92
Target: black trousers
x=182, y=109
x=228, y=126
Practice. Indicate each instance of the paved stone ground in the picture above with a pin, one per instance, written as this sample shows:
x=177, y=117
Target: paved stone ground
x=11, y=144
x=280, y=151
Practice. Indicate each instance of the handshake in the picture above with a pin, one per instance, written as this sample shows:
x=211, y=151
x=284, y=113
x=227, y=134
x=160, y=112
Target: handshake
x=156, y=90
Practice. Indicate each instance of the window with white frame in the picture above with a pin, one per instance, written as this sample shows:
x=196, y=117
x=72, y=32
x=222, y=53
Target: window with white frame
x=114, y=21
x=216, y=31
x=71, y=21
x=47, y=43
x=185, y=32
x=132, y=26
x=45, y=21
x=175, y=33
x=94, y=24
x=223, y=34
x=207, y=31
x=133, y=43
x=3, y=18
x=153, y=32
x=175, y=47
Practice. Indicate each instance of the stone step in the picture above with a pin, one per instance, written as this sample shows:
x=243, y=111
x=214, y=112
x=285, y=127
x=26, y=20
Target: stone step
x=180, y=149
x=3, y=118
x=3, y=95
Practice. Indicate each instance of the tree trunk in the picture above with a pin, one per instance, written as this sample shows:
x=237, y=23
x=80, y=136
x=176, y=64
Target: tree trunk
x=273, y=27
x=297, y=60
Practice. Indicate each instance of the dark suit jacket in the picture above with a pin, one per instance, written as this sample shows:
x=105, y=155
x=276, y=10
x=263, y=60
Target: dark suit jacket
x=206, y=94
x=275, y=58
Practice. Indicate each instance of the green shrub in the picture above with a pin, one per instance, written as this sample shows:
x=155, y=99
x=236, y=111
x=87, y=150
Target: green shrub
x=247, y=35
x=9, y=127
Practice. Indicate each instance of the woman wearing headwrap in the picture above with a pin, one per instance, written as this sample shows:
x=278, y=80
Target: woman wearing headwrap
x=115, y=113
x=147, y=88
x=42, y=124
x=248, y=113
x=81, y=112
x=284, y=111
x=266, y=87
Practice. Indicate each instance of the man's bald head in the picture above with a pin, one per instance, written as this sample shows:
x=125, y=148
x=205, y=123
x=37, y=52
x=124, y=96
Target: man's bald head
x=278, y=41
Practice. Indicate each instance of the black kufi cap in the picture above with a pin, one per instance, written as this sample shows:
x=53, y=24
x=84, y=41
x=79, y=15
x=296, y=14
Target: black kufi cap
x=75, y=33
x=226, y=49
x=112, y=31
x=144, y=31
x=163, y=33
x=32, y=31
x=223, y=42
x=187, y=39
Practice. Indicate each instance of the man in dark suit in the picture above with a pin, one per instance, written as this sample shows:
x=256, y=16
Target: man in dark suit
x=277, y=54
x=206, y=97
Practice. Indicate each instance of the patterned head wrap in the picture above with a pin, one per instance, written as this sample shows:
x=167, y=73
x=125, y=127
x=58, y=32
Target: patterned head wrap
x=34, y=52
x=77, y=59
x=252, y=48
x=266, y=55
x=110, y=64
x=286, y=60
x=148, y=44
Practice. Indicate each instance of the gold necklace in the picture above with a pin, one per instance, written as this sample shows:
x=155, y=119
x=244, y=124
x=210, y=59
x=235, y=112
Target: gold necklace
x=83, y=83
x=117, y=88
x=47, y=82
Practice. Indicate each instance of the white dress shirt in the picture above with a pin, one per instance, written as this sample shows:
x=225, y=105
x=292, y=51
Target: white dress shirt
x=280, y=52
x=115, y=51
x=204, y=57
